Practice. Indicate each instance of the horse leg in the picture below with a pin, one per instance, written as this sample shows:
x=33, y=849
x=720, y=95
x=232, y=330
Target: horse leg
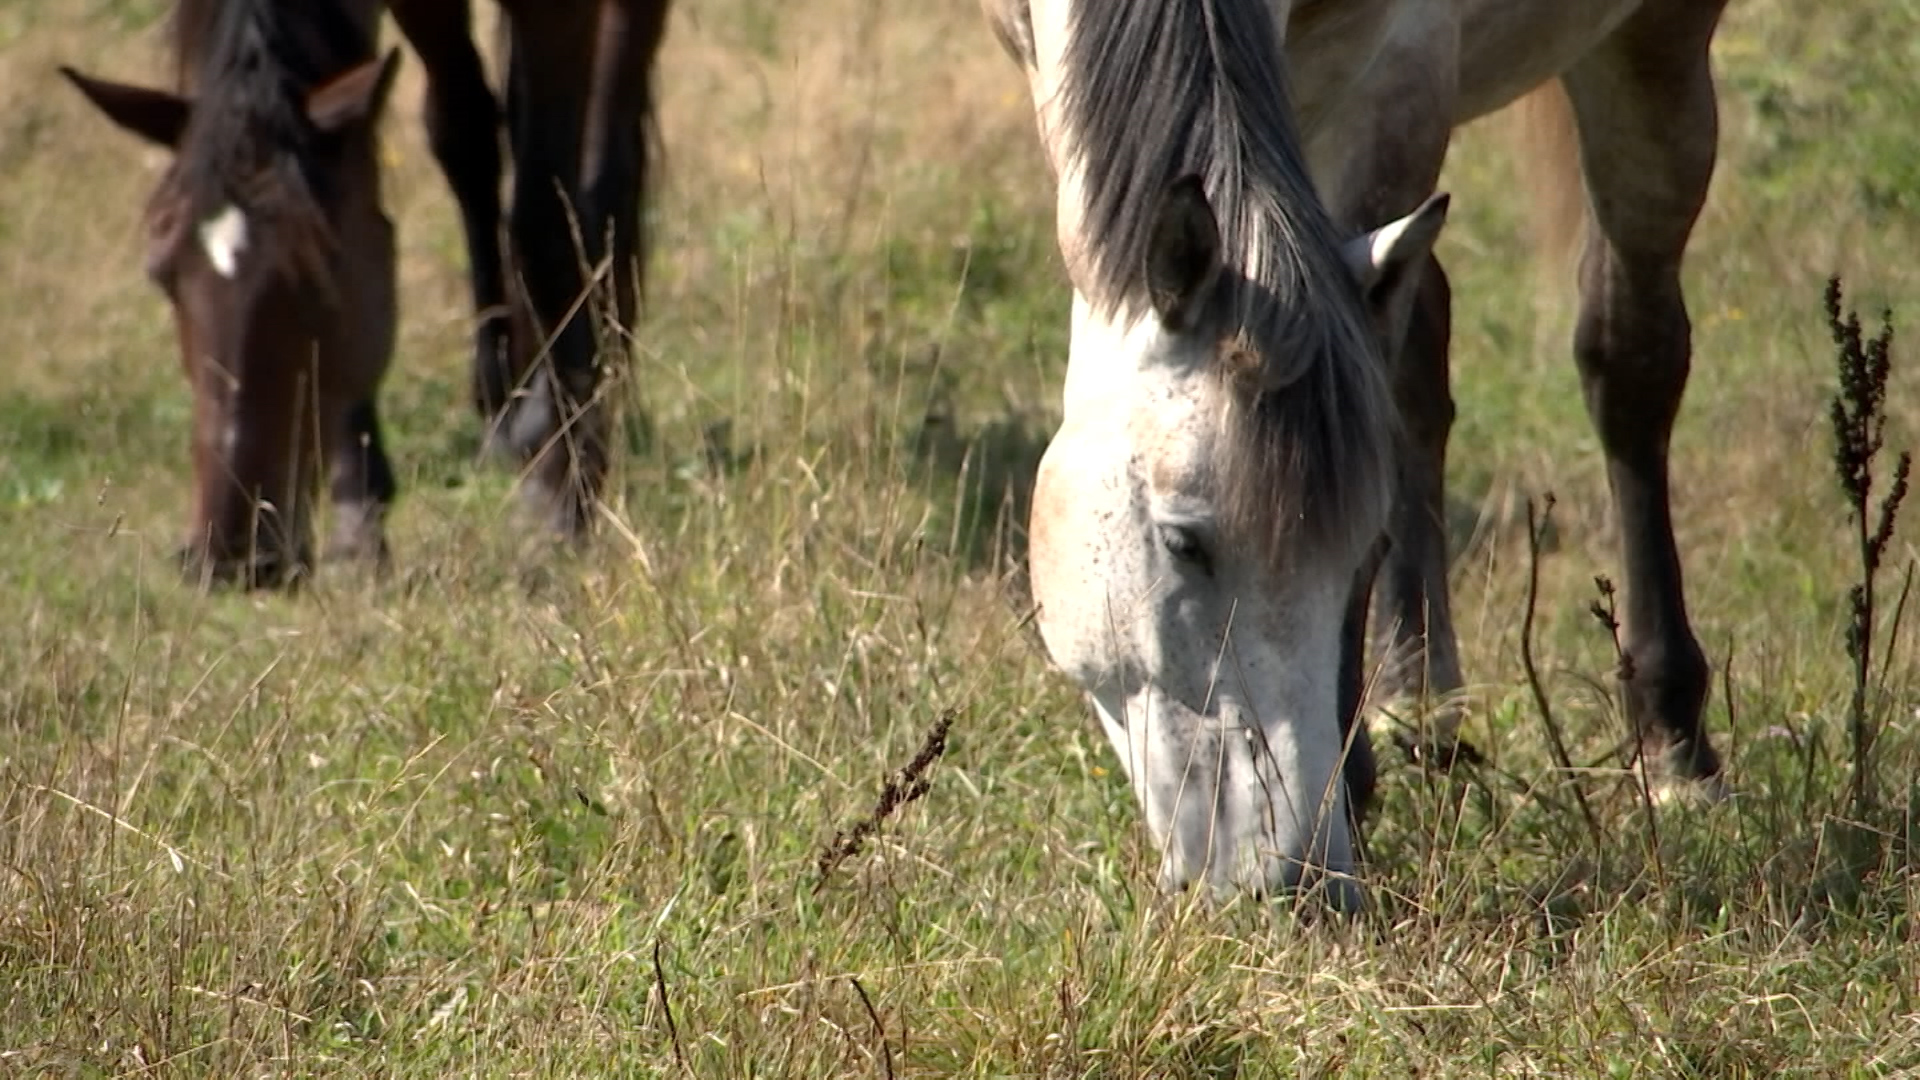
x=613, y=174
x=1643, y=103
x=463, y=128
x=1361, y=770
x=1408, y=566
x=1413, y=621
x=559, y=426
x=360, y=482
x=1377, y=154
x=614, y=162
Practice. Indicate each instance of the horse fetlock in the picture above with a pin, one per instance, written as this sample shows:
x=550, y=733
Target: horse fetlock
x=1666, y=691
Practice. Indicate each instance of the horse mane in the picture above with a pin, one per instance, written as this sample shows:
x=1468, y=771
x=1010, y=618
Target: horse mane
x=248, y=66
x=1154, y=91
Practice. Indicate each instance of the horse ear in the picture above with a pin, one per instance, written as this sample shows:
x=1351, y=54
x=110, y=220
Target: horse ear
x=1183, y=254
x=354, y=96
x=154, y=115
x=1384, y=260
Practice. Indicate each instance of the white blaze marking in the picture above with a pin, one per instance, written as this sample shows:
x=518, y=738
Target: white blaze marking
x=224, y=236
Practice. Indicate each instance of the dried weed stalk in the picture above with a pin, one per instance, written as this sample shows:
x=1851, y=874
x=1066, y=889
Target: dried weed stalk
x=1858, y=412
x=905, y=785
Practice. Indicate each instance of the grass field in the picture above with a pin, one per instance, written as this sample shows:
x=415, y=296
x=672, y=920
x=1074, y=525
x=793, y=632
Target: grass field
x=560, y=817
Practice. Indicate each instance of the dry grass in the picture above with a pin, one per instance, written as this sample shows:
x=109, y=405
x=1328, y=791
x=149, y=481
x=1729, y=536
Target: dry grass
x=451, y=824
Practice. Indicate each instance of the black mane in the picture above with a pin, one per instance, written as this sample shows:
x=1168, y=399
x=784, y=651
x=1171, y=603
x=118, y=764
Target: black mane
x=248, y=65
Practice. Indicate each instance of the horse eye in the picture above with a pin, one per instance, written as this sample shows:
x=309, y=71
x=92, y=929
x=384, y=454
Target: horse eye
x=1184, y=544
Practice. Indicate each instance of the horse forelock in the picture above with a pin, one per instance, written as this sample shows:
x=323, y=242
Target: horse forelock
x=1304, y=472
x=1154, y=91
x=248, y=65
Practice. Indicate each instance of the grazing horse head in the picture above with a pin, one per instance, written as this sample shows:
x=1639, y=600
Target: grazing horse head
x=1224, y=463
x=267, y=236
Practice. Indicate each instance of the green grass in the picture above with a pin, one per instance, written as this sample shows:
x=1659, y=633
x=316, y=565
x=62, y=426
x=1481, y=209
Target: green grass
x=444, y=824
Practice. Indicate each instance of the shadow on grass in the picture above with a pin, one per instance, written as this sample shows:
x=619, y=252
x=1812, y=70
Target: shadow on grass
x=980, y=481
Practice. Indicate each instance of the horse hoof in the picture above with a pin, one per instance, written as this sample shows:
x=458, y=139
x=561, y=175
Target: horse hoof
x=1679, y=791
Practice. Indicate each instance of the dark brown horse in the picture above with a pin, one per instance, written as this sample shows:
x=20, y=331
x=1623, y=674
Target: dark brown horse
x=267, y=235
x=579, y=113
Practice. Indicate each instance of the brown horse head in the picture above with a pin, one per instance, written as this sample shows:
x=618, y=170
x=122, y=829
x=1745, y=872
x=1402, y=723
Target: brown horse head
x=267, y=236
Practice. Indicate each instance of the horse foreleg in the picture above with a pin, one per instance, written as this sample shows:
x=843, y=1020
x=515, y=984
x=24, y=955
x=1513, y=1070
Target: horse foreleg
x=1413, y=620
x=463, y=128
x=1645, y=111
x=617, y=140
x=360, y=483
x=619, y=126
x=558, y=428
x=1377, y=155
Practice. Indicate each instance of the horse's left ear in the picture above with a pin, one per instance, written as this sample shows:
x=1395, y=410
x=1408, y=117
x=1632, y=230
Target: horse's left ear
x=1183, y=254
x=1383, y=261
x=354, y=96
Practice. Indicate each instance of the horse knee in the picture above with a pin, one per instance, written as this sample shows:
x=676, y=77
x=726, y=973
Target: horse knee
x=1634, y=347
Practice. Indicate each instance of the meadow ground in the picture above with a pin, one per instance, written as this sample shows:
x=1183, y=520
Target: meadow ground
x=560, y=817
